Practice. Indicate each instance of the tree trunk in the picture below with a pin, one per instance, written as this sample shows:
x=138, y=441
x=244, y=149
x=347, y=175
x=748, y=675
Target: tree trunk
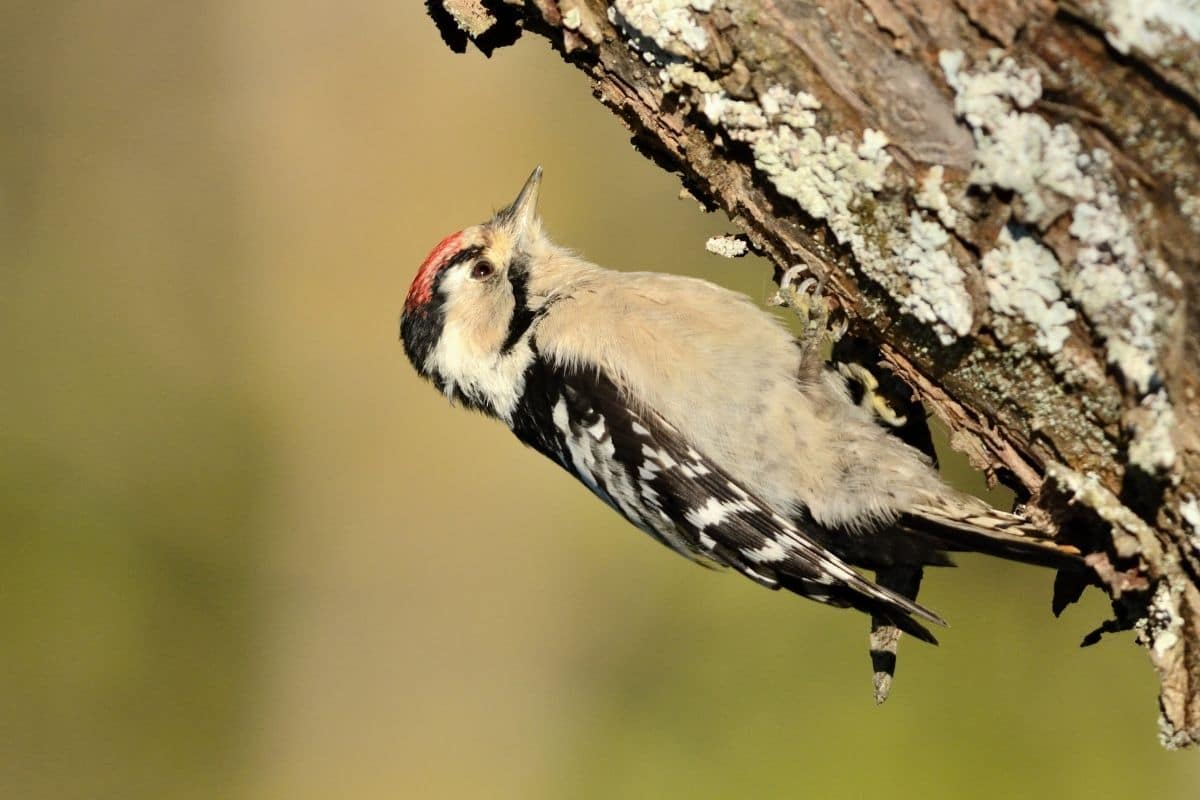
x=1004, y=198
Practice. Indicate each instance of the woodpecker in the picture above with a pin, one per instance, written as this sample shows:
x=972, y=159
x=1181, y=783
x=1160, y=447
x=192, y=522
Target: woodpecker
x=697, y=416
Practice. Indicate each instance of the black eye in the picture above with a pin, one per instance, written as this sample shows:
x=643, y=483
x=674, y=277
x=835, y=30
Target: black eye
x=482, y=269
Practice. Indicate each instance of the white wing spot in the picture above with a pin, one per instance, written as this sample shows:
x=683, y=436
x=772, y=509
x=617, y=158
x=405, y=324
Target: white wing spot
x=714, y=512
x=771, y=550
x=759, y=576
x=597, y=431
x=711, y=513
x=561, y=419
x=661, y=456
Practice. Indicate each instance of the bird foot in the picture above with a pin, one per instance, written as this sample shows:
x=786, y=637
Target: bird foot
x=871, y=400
x=807, y=301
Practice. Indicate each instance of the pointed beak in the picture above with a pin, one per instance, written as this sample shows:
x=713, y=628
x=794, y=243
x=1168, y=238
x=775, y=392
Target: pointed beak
x=523, y=210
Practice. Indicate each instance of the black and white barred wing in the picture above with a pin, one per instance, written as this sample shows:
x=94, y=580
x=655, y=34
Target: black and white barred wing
x=638, y=463
x=737, y=528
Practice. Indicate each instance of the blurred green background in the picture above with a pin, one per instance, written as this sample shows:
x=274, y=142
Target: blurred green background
x=245, y=553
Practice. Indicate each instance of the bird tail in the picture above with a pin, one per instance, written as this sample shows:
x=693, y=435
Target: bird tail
x=901, y=615
x=889, y=606
x=982, y=529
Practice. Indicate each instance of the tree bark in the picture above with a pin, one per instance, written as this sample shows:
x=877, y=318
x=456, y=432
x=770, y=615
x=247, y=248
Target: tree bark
x=1004, y=198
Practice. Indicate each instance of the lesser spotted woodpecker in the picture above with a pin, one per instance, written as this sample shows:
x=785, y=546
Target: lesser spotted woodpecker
x=696, y=415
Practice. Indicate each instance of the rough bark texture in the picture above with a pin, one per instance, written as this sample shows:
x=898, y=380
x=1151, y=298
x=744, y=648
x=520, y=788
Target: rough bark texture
x=1004, y=197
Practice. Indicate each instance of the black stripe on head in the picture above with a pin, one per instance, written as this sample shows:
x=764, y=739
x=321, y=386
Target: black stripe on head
x=522, y=315
x=421, y=327
x=466, y=254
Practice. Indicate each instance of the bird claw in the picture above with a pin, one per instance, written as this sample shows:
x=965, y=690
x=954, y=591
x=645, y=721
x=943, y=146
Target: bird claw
x=871, y=400
x=807, y=301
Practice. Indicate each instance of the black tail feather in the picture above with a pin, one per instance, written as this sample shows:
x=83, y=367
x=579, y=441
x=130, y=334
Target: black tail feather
x=885, y=637
x=880, y=603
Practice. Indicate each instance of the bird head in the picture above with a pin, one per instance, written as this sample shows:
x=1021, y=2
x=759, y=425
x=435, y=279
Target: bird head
x=468, y=303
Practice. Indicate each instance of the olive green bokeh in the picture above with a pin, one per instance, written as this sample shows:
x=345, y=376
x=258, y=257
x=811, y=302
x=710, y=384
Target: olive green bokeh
x=244, y=552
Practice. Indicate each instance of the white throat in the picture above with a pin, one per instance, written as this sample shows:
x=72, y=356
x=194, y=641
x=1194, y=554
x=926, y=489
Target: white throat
x=493, y=379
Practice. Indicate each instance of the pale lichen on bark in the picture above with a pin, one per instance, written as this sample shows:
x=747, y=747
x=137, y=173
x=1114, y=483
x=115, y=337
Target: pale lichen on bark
x=727, y=246
x=1164, y=32
x=1022, y=284
x=1003, y=196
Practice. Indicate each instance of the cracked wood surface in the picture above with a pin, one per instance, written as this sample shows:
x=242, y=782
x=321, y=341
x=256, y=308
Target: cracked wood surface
x=1004, y=198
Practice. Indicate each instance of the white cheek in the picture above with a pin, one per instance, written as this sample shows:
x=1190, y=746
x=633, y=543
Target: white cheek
x=451, y=285
x=467, y=364
x=500, y=379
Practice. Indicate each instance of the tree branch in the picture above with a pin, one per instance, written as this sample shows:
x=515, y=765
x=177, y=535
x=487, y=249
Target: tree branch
x=1003, y=196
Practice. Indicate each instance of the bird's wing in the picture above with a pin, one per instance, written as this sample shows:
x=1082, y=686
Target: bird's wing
x=639, y=464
